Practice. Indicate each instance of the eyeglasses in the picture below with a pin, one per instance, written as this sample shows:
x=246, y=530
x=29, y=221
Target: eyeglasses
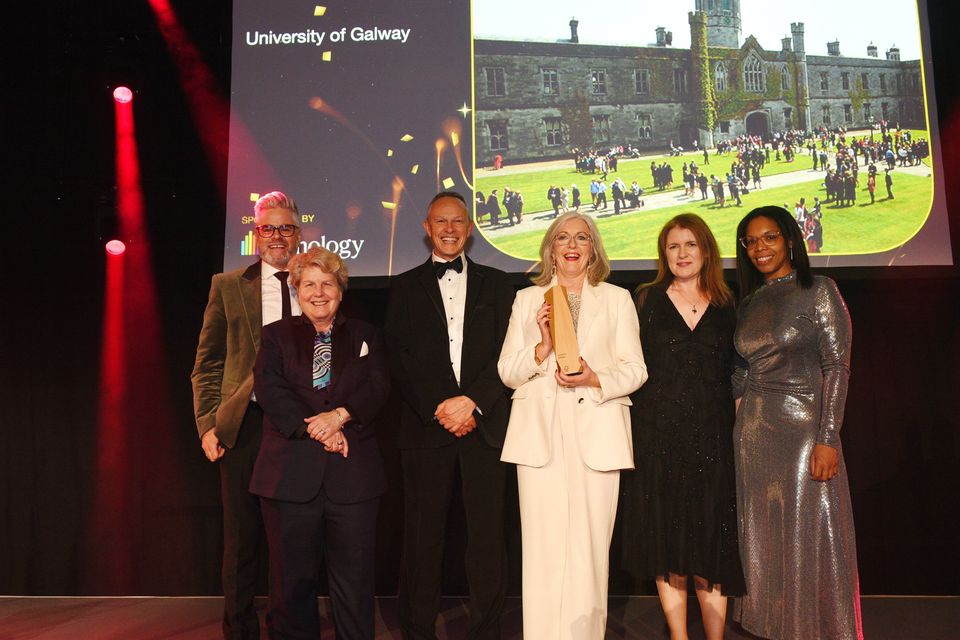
x=767, y=239
x=580, y=238
x=267, y=230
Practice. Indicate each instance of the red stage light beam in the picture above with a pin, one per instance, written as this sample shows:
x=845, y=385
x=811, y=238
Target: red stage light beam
x=134, y=400
x=212, y=117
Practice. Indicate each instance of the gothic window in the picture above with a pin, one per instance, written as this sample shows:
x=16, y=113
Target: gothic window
x=884, y=111
x=498, y=135
x=495, y=82
x=641, y=78
x=598, y=82
x=845, y=81
x=554, y=133
x=848, y=113
x=826, y=115
x=551, y=82
x=867, y=112
x=601, y=128
x=785, y=78
x=753, y=75
x=824, y=81
x=720, y=78
x=865, y=80
x=883, y=82
x=644, y=126
x=788, y=118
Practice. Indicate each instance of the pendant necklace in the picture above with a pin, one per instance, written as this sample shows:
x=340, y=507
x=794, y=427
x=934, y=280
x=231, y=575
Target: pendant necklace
x=693, y=305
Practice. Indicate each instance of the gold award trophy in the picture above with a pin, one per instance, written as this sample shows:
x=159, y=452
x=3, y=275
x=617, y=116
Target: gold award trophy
x=562, y=332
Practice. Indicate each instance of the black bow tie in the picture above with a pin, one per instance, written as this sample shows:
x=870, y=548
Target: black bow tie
x=441, y=267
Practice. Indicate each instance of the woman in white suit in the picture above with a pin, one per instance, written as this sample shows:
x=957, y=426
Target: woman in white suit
x=569, y=435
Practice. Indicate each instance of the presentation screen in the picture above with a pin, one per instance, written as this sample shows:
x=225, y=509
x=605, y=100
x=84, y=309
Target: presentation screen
x=630, y=113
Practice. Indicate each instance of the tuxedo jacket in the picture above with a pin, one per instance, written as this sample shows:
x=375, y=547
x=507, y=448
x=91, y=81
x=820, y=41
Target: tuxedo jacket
x=608, y=335
x=419, y=348
x=291, y=466
x=222, y=375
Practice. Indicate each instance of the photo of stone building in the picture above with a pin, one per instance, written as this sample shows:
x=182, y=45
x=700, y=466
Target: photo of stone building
x=537, y=100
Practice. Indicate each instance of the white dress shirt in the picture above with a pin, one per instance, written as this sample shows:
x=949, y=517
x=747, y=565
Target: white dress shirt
x=271, y=304
x=453, y=291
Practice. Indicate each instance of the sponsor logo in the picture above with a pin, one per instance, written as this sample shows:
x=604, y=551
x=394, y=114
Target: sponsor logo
x=248, y=246
x=348, y=249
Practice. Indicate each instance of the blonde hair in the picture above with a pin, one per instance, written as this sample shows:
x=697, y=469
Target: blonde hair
x=597, y=270
x=318, y=257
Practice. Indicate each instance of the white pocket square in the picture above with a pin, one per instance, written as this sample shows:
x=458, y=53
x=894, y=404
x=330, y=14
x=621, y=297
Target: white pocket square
x=364, y=349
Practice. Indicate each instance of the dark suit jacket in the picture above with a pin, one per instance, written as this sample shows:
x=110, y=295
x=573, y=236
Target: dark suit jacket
x=419, y=350
x=222, y=375
x=291, y=466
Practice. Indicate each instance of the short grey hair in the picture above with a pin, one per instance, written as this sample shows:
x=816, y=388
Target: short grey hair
x=318, y=257
x=275, y=200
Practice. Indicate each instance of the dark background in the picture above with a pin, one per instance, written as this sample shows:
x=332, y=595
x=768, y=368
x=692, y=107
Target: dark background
x=901, y=434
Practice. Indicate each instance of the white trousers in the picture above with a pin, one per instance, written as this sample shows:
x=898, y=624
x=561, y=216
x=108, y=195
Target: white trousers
x=567, y=512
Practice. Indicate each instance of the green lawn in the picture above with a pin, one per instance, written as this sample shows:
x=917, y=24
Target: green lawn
x=533, y=184
x=863, y=228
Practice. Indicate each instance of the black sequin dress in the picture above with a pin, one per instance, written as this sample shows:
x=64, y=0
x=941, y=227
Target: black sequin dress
x=679, y=512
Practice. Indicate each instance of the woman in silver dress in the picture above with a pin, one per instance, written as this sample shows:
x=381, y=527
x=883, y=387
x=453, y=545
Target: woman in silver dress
x=796, y=521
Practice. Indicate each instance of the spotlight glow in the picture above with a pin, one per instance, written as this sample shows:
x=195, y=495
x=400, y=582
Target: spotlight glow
x=122, y=94
x=115, y=247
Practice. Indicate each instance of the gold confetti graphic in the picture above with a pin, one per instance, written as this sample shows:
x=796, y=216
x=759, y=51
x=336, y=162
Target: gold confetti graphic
x=414, y=169
x=388, y=205
x=319, y=10
x=327, y=56
x=452, y=127
x=254, y=197
x=389, y=153
x=406, y=138
x=448, y=183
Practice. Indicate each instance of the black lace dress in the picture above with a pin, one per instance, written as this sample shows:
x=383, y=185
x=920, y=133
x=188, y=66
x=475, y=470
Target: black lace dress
x=679, y=506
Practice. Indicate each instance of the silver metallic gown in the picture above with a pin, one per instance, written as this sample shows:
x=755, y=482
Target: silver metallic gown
x=796, y=534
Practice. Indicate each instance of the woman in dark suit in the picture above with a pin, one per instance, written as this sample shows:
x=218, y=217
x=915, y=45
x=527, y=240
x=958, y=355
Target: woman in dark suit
x=321, y=379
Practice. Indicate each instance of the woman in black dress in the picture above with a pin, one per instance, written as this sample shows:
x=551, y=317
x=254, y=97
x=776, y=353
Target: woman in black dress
x=682, y=518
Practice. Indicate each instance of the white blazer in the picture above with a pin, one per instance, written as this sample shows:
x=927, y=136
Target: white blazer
x=608, y=335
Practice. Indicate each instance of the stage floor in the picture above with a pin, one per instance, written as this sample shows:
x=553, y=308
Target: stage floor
x=196, y=618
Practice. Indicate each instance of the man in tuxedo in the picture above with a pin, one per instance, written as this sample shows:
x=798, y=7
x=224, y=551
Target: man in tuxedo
x=446, y=322
x=229, y=421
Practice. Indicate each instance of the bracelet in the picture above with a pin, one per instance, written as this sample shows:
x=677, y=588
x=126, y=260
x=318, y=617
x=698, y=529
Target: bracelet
x=340, y=416
x=537, y=358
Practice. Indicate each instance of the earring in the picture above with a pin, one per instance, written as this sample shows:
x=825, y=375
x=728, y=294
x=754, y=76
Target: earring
x=791, y=253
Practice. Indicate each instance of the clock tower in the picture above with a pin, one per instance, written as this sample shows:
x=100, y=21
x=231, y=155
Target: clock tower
x=723, y=22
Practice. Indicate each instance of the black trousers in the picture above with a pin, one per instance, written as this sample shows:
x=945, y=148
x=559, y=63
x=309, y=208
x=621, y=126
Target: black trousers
x=243, y=534
x=299, y=535
x=428, y=477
